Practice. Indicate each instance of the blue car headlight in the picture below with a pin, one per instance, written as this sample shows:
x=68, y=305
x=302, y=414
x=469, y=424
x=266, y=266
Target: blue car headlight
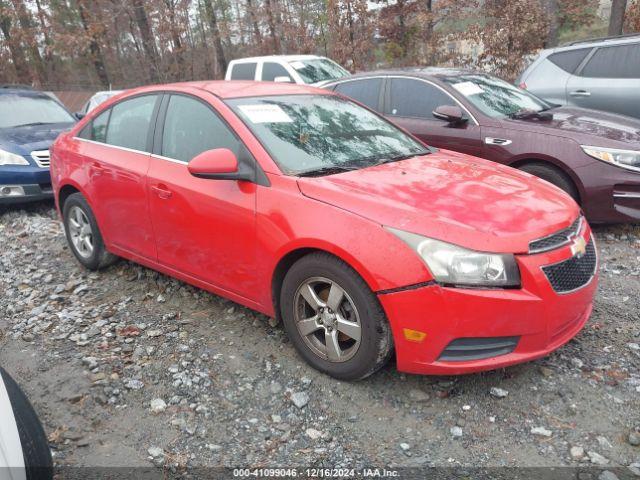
x=8, y=158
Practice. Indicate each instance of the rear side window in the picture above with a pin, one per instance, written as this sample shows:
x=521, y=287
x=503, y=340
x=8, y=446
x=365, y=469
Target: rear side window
x=365, y=91
x=129, y=123
x=272, y=70
x=243, y=71
x=191, y=127
x=570, y=59
x=622, y=61
x=414, y=98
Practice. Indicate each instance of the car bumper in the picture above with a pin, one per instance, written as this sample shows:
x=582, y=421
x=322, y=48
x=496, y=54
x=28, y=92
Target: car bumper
x=534, y=320
x=23, y=184
x=612, y=193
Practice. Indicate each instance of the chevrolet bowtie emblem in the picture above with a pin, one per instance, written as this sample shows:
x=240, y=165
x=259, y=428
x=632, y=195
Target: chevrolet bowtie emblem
x=579, y=247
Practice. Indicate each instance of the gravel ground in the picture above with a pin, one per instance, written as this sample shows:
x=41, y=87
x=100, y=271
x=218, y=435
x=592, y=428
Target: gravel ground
x=130, y=367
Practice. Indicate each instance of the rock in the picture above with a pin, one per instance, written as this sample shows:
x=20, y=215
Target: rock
x=577, y=452
x=541, y=431
x=604, y=443
x=134, y=384
x=545, y=371
x=576, y=362
x=418, y=395
x=597, y=459
x=456, y=432
x=313, y=434
x=154, y=333
x=634, y=468
x=157, y=405
x=155, y=452
x=27, y=337
x=634, y=346
x=498, y=392
x=607, y=475
x=634, y=439
x=300, y=399
x=405, y=447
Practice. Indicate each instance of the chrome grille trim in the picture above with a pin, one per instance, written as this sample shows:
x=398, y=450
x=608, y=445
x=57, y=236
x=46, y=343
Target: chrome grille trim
x=558, y=239
x=42, y=158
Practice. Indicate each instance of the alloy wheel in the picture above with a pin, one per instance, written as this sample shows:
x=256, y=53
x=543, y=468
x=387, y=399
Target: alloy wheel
x=80, y=232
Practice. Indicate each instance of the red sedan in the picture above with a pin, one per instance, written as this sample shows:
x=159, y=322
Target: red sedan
x=301, y=204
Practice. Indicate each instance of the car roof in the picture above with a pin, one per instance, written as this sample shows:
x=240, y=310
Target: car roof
x=238, y=88
x=23, y=92
x=284, y=58
x=425, y=72
x=596, y=42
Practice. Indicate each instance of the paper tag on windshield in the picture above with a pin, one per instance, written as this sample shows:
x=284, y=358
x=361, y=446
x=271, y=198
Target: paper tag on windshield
x=297, y=65
x=468, y=88
x=265, y=113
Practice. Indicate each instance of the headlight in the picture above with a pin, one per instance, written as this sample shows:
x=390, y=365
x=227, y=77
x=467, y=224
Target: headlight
x=629, y=159
x=7, y=158
x=454, y=265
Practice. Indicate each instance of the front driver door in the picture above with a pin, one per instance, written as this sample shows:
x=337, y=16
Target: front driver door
x=204, y=228
x=410, y=103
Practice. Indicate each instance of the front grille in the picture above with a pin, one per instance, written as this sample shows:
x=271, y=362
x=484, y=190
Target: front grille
x=42, y=158
x=476, y=348
x=574, y=273
x=556, y=240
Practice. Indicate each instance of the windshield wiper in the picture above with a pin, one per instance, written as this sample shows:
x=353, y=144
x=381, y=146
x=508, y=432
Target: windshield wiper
x=399, y=158
x=34, y=124
x=329, y=170
x=529, y=113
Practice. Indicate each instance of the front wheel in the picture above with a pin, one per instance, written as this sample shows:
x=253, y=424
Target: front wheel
x=333, y=319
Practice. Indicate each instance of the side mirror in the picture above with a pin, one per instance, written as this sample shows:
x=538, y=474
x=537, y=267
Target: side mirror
x=79, y=115
x=450, y=114
x=283, y=79
x=218, y=164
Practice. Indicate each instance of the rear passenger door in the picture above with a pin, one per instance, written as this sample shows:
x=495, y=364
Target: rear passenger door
x=410, y=102
x=609, y=80
x=116, y=148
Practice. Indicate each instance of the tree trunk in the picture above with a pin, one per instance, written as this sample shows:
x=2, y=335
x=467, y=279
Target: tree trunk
x=26, y=25
x=552, y=13
x=148, y=43
x=94, y=47
x=217, y=40
x=175, y=39
x=17, y=54
x=616, y=21
x=257, y=36
x=272, y=26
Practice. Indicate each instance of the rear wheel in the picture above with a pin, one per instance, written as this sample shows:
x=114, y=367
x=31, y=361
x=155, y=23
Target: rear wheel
x=333, y=319
x=83, y=234
x=35, y=447
x=552, y=175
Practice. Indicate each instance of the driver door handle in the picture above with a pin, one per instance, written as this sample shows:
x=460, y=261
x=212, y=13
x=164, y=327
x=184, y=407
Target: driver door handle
x=161, y=191
x=580, y=93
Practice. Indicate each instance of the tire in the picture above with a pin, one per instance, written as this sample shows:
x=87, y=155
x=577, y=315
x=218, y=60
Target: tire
x=98, y=257
x=554, y=176
x=35, y=447
x=359, y=306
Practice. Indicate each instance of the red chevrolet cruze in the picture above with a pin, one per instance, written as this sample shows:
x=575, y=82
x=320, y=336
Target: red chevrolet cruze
x=301, y=204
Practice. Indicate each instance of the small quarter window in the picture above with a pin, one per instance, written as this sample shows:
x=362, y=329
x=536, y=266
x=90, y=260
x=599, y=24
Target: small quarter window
x=569, y=60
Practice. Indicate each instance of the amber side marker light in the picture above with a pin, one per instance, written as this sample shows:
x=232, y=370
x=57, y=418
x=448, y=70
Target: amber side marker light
x=414, y=335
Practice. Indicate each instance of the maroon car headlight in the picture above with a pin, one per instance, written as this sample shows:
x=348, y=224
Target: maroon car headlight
x=457, y=266
x=629, y=159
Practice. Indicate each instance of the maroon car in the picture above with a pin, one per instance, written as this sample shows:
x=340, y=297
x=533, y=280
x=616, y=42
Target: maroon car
x=594, y=156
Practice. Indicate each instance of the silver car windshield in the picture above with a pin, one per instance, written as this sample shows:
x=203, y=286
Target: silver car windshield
x=494, y=97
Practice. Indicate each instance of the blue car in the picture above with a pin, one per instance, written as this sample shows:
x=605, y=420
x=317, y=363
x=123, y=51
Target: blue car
x=30, y=121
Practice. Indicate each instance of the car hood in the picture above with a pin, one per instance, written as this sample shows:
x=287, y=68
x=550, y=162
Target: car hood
x=451, y=197
x=24, y=140
x=588, y=127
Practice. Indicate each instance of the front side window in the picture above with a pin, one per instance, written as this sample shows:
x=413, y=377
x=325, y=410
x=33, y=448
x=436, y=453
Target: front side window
x=191, y=128
x=18, y=110
x=309, y=133
x=244, y=71
x=494, y=97
x=365, y=91
x=622, y=61
x=271, y=70
x=129, y=122
x=318, y=70
x=415, y=98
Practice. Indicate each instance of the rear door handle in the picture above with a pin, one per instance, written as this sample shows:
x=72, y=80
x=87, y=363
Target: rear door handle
x=162, y=191
x=580, y=93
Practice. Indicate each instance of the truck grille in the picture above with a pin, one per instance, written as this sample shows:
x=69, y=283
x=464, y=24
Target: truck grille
x=42, y=158
x=574, y=273
x=556, y=240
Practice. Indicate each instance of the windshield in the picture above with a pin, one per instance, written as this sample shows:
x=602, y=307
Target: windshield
x=494, y=97
x=19, y=110
x=308, y=133
x=318, y=70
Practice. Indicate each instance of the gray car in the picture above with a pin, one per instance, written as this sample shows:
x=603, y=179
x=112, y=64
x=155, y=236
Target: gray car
x=602, y=74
